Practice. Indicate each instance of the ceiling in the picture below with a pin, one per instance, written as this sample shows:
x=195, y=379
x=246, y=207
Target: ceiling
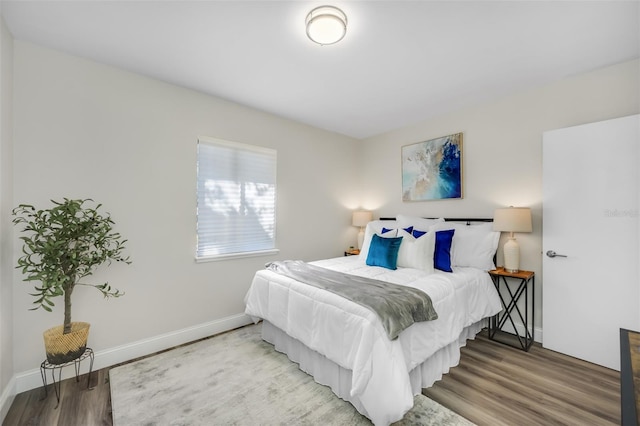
x=401, y=61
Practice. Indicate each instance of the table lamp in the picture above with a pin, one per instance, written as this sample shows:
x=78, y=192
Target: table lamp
x=512, y=219
x=361, y=218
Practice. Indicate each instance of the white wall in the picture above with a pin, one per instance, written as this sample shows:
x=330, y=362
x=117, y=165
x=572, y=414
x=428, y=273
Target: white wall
x=502, y=157
x=6, y=232
x=83, y=129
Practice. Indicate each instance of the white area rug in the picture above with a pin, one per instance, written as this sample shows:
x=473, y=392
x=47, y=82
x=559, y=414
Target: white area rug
x=238, y=379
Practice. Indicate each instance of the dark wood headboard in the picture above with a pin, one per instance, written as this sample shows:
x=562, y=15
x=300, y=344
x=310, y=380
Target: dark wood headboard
x=468, y=220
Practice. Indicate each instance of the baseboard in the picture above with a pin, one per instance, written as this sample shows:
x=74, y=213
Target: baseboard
x=537, y=335
x=105, y=358
x=7, y=397
x=32, y=379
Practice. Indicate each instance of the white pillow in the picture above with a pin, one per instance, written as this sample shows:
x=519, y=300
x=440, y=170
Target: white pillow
x=375, y=227
x=416, y=253
x=418, y=223
x=472, y=245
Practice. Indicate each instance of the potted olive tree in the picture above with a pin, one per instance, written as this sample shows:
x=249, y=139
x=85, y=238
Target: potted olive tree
x=62, y=245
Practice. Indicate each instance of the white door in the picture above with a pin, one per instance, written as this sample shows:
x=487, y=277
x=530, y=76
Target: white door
x=590, y=215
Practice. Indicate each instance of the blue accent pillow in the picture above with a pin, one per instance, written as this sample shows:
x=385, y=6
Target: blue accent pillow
x=442, y=252
x=384, y=252
x=417, y=234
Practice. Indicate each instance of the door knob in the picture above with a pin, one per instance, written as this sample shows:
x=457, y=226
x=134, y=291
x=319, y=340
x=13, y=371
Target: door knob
x=552, y=254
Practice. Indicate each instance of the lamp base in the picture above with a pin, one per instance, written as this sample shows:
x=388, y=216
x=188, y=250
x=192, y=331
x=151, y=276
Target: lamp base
x=512, y=256
x=360, y=238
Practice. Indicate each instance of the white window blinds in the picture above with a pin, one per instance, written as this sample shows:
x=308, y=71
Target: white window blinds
x=236, y=199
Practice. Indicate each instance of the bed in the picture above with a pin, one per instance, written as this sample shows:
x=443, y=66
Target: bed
x=344, y=345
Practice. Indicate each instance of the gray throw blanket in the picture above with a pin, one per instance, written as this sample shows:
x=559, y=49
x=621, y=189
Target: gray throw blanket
x=397, y=306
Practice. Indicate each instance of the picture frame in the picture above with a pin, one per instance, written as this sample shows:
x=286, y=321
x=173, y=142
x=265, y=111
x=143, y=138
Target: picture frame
x=432, y=170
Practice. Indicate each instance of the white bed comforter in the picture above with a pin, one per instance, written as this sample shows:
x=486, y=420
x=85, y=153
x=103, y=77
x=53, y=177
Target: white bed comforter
x=353, y=337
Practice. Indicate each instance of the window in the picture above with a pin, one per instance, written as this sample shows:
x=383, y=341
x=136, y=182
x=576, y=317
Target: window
x=236, y=199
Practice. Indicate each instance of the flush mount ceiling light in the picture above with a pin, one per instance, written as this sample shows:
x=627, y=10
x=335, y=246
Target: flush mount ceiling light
x=326, y=25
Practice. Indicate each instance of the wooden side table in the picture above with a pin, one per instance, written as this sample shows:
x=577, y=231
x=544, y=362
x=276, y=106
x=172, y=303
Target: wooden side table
x=351, y=252
x=511, y=310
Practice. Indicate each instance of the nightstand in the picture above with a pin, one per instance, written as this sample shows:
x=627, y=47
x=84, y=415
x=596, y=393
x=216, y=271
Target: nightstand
x=351, y=252
x=523, y=282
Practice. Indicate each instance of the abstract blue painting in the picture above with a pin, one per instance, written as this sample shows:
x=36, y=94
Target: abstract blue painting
x=432, y=170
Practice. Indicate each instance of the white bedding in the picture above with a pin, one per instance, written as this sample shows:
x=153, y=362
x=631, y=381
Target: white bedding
x=352, y=337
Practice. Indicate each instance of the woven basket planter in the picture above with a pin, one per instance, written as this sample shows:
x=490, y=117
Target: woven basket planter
x=62, y=348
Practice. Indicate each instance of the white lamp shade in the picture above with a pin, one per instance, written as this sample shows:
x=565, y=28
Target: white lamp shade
x=512, y=219
x=326, y=25
x=361, y=218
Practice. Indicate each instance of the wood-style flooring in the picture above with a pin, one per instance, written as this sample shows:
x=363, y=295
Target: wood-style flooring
x=494, y=384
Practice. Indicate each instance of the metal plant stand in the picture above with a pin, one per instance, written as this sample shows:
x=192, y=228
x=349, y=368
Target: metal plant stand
x=46, y=365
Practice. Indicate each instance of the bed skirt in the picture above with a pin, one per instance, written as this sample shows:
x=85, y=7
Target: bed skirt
x=328, y=373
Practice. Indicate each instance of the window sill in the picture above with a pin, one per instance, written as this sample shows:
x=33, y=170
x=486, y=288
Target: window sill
x=236, y=255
